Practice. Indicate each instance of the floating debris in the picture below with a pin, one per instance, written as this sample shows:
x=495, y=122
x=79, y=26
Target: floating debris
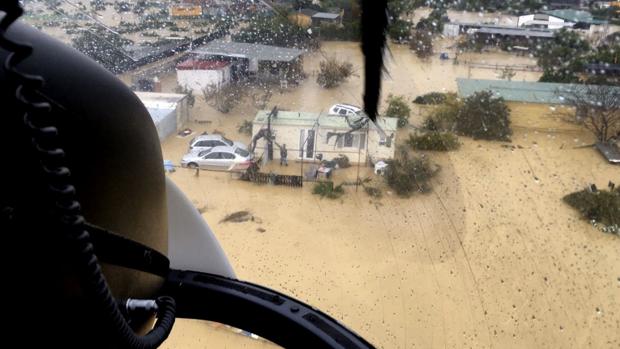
x=238, y=217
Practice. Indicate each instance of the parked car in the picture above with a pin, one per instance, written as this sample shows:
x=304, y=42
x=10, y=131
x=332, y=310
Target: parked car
x=206, y=142
x=344, y=110
x=220, y=158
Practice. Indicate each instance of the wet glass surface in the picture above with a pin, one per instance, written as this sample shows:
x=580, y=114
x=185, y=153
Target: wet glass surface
x=470, y=247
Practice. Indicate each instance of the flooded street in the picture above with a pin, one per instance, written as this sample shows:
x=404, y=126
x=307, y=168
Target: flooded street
x=491, y=258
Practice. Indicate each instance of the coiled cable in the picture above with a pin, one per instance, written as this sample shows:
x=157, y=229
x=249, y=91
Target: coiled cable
x=46, y=143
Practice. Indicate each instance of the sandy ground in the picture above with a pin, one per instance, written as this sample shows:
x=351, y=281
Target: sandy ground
x=492, y=258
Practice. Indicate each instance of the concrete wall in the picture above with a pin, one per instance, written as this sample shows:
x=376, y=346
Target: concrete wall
x=378, y=149
x=197, y=80
x=451, y=30
x=164, y=120
x=182, y=113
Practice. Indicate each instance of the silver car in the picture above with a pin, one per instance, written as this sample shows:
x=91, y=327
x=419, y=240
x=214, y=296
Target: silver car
x=219, y=158
x=206, y=142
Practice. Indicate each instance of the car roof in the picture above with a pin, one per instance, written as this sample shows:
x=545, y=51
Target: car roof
x=208, y=137
x=223, y=148
x=343, y=105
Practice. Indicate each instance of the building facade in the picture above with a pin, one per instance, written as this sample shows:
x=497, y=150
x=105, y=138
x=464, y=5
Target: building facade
x=310, y=136
x=203, y=75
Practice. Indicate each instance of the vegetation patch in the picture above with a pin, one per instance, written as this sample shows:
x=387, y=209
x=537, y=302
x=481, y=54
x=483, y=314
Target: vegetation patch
x=434, y=140
x=400, y=31
x=328, y=190
x=421, y=43
x=398, y=108
x=245, y=127
x=601, y=207
x=407, y=174
x=480, y=116
x=225, y=98
x=434, y=98
x=484, y=116
x=333, y=72
x=373, y=192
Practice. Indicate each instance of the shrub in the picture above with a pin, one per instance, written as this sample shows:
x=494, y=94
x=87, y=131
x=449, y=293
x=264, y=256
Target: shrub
x=421, y=43
x=373, y=192
x=245, y=127
x=407, y=175
x=434, y=98
x=327, y=189
x=602, y=206
x=333, y=72
x=484, y=116
x=444, y=116
x=225, y=98
x=400, y=31
x=441, y=141
x=398, y=108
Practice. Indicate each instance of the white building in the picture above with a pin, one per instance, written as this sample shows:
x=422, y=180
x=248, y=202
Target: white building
x=169, y=111
x=543, y=21
x=197, y=75
x=308, y=134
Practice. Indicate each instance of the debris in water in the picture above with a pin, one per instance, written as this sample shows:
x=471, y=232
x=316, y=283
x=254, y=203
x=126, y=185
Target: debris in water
x=260, y=230
x=238, y=217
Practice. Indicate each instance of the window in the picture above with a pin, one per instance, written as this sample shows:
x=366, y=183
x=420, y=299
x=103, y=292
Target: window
x=351, y=140
x=227, y=156
x=213, y=156
x=242, y=152
x=227, y=141
x=348, y=140
x=342, y=111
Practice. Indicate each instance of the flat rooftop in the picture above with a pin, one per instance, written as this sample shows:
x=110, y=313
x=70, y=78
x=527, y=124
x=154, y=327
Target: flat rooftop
x=156, y=100
x=309, y=119
x=249, y=51
x=519, y=91
x=516, y=32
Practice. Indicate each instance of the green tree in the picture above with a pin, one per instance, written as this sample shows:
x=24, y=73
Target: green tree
x=407, y=175
x=484, y=116
x=608, y=53
x=563, y=58
x=398, y=108
x=421, y=43
x=434, y=22
x=400, y=31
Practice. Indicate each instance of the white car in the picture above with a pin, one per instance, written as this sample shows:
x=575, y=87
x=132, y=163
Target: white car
x=344, y=110
x=206, y=142
x=221, y=158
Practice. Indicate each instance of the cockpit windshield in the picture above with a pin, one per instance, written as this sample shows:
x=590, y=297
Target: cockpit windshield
x=480, y=209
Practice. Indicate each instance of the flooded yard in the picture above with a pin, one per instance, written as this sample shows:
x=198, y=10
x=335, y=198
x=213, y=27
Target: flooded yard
x=491, y=258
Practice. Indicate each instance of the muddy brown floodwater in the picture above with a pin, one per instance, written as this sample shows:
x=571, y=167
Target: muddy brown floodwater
x=491, y=258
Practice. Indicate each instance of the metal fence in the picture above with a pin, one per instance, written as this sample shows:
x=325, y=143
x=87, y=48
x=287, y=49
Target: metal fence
x=274, y=179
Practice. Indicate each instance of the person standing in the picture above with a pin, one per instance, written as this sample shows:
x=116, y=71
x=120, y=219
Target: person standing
x=283, y=155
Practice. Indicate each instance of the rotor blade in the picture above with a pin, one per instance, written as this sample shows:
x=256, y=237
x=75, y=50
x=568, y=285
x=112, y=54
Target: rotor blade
x=374, y=26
